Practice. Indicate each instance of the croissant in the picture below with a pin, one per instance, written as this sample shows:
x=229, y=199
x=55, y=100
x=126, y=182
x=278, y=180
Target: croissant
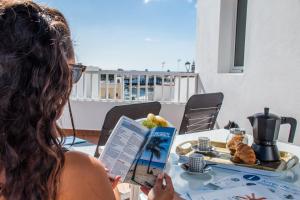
x=245, y=154
x=232, y=144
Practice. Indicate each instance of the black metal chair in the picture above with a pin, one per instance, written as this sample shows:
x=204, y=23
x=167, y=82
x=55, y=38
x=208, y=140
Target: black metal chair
x=201, y=112
x=133, y=111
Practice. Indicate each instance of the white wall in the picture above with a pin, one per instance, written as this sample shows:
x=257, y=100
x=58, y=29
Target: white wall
x=89, y=115
x=272, y=61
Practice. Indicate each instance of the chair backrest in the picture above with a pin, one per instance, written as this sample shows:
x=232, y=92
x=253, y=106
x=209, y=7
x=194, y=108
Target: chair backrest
x=201, y=112
x=133, y=111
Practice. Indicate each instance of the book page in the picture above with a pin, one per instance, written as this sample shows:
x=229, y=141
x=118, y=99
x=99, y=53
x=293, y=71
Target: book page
x=122, y=146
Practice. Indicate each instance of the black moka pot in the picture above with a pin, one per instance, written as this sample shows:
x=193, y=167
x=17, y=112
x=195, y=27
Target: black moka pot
x=265, y=134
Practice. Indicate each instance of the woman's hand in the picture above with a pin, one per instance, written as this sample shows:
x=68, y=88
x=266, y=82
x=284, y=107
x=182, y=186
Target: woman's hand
x=159, y=190
x=114, y=180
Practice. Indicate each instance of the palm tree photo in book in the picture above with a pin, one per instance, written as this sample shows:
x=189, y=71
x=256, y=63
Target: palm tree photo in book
x=152, y=159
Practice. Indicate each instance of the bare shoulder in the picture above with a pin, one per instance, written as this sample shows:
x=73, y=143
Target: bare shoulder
x=75, y=160
x=84, y=177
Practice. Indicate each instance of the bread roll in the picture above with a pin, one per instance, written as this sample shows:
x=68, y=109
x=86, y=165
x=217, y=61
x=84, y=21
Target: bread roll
x=245, y=154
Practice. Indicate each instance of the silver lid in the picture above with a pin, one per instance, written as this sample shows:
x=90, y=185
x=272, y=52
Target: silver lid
x=237, y=131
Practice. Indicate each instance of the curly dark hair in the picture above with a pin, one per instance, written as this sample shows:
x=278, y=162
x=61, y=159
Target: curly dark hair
x=35, y=84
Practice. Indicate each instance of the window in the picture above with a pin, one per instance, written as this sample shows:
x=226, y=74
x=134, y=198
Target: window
x=232, y=34
x=241, y=18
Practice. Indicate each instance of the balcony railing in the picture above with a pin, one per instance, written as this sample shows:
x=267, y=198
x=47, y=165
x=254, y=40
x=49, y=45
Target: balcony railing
x=115, y=85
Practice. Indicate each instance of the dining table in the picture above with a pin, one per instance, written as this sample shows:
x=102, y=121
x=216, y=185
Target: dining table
x=189, y=185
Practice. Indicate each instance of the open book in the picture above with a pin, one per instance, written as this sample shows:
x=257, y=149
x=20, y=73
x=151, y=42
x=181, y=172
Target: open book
x=136, y=153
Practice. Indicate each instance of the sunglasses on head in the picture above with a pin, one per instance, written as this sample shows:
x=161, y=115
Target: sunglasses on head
x=77, y=70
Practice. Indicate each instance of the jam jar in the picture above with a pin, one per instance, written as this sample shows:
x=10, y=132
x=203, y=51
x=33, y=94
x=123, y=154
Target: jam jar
x=236, y=136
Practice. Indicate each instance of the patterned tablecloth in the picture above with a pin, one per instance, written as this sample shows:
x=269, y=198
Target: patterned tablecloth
x=186, y=184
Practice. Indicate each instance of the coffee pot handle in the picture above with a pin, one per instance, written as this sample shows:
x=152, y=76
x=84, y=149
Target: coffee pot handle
x=293, y=124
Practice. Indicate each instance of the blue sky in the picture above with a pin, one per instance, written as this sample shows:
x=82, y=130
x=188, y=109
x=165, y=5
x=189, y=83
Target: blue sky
x=131, y=34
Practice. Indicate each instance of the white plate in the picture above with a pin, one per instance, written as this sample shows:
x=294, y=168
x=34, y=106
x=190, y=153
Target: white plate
x=185, y=167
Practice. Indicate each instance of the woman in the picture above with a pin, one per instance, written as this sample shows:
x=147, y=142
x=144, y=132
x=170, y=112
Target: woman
x=36, y=58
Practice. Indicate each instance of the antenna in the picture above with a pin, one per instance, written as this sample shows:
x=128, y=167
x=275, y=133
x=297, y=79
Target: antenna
x=163, y=65
x=178, y=64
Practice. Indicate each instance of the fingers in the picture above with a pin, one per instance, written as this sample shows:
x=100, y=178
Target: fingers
x=145, y=190
x=159, y=181
x=118, y=178
x=169, y=184
x=111, y=179
x=115, y=181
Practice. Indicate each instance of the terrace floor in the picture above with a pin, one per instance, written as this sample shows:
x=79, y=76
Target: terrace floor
x=90, y=135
